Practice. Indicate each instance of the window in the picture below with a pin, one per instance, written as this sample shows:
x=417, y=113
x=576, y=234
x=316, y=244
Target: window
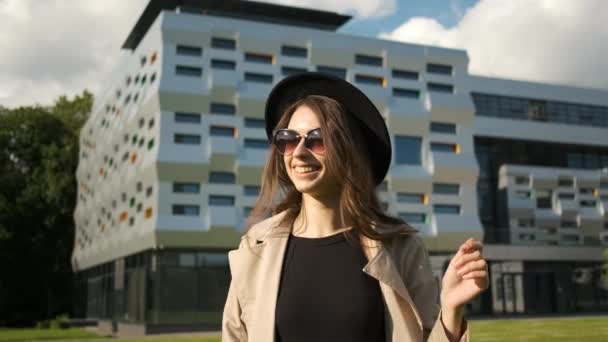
x=526, y=237
x=407, y=197
x=588, y=203
x=221, y=200
x=222, y=108
x=407, y=150
x=543, y=199
x=413, y=217
x=189, y=139
x=258, y=58
x=368, y=60
x=441, y=69
x=251, y=190
x=570, y=237
x=565, y=196
x=525, y=222
x=446, y=188
x=186, y=50
x=150, y=123
x=223, y=64
x=149, y=191
x=186, y=188
x=191, y=71
x=222, y=131
x=522, y=194
x=186, y=209
x=256, y=143
x=444, y=147
x=257, y=77
x=405, y=74
x=567, y=182
x=446, y=209
x=294, y=51
x=223, y=43
x=255, y=123
x=443, y=127
x=187, y=117
x=221, y=177
x=337, y=72
x=410, y=93
x=371, y=80
x=440, y=87
x=286, y=70
x=139, y=187
x=568, y=224
x=522, y=180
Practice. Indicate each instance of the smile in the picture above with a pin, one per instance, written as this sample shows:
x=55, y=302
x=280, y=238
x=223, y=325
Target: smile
x=305, y=169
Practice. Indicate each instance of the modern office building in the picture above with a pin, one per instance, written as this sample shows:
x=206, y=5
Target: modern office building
x=172, y=154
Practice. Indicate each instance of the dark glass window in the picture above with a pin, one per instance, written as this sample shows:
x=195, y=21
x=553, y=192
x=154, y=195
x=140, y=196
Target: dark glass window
x=223, y=64
x=184, y=70
x=410, y=93
x=443, y=147
x=286, y=70
x=446, y=208
x=251, y=190
x=543, y=199
x=404, y=74
x=256, y=143
x=186, y=209
x=222, y=131
x=187, y=188
x=257, y=77
x=255, y=123
x=446, y=188
x=188, y=139
x=222, y=177
x=368, y=60
x=565, y=196
x=368, y=79
x=187, y=50
x=187, y=117
x=223, y=43
x=408, y=197
x=294, y=51
x=413, y=217
x=221, y=200
x=440, y=87
x=258, y=58
x=441, y=69
x=407, y=149
x=222, y=108
x=334, y=71
x=443, y=127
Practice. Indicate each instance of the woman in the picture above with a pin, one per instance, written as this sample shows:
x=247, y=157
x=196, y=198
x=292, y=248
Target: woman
x=329, y=264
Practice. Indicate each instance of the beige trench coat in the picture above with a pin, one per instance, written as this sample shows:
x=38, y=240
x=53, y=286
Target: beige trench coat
x=402, y=268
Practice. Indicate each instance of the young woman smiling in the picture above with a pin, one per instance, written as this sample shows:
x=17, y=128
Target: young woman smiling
x=320, y=260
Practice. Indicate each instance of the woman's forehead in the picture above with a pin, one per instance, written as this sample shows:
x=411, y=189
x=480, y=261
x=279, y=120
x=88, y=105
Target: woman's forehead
x=303, y=119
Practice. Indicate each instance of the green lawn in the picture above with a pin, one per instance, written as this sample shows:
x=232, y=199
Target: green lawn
x=585, y=329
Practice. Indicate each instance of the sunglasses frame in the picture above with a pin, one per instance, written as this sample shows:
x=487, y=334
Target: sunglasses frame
x=298, y=135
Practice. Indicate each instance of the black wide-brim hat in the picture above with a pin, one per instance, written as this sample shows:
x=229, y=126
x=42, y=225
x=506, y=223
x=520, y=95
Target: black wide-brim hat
x=293, y=88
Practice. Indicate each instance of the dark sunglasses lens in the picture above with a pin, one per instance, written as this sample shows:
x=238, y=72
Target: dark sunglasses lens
x=286, y=142
x=314, y=142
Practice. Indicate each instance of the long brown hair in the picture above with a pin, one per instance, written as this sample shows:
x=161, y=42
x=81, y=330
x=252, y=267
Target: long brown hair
x=347, y=159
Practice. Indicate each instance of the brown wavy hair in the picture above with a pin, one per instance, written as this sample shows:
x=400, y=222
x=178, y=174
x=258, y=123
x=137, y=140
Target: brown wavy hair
x=358, y=202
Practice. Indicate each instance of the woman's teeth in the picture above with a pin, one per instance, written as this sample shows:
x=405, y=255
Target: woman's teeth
x=300, y=169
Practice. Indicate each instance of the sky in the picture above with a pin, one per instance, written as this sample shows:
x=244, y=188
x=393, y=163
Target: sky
x=55, y=47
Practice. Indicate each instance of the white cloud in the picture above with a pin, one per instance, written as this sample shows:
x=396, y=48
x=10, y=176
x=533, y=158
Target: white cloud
x=555, y=41
x=359, y=8
x=50, y=48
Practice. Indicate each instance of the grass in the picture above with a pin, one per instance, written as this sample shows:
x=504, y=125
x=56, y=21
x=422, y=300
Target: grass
x=533, y=330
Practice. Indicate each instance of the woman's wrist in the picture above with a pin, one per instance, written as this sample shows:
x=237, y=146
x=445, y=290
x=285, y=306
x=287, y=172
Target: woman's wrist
x=452, y=318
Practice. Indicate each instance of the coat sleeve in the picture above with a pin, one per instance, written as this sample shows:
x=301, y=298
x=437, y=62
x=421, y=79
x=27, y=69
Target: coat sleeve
x=233, y=327
x=424, y=290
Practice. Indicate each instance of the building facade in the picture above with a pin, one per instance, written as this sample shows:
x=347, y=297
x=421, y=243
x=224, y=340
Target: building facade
x=172, y=154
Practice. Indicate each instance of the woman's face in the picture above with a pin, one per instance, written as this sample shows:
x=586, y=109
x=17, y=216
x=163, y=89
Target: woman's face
x=307, y=170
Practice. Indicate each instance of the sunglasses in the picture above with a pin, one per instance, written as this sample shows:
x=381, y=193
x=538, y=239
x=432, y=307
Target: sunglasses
x=286, y=140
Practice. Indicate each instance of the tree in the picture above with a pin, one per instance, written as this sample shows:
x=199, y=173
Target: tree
x=38, y=160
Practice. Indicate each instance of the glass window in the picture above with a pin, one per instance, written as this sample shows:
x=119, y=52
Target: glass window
x=188, y=139
x=222, y=177
x=258, y=78
x=287, y=70
x=184, y=70
x=187, y=50
x=443, y=147
x=186, y=209
x=402, y=92
x=258, y=58
x=407, y=149
x=255, y=123
x=222, y=131
x=187, y=117
x=408, y=197
x=371, y=80
x=334, y=71
x=443, y=127
x=446, y=208
x=404, y=74
x=368, y=60
x=568, y=224
x=543, y=199
x=446, y=188
x=221, y=200
x=186, y=188
x=222, y=108
x=294, y=51
x=567, y=182
x=565, y=196
x=223, y=43
x=413, y=218
x=251, y=190
x=256, y=143
x=441, y=69
x=440, y=87
x=223, y=64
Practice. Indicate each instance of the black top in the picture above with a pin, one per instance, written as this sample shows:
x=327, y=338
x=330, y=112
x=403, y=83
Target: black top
x=324, y=295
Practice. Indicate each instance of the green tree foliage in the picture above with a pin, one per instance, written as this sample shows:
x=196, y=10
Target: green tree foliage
x=38, y=160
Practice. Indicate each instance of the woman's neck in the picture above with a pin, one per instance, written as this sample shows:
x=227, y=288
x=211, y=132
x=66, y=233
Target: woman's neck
x=319, y=217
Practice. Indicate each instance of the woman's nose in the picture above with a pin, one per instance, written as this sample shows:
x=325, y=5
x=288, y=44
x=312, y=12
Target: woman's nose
x=300, y=148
